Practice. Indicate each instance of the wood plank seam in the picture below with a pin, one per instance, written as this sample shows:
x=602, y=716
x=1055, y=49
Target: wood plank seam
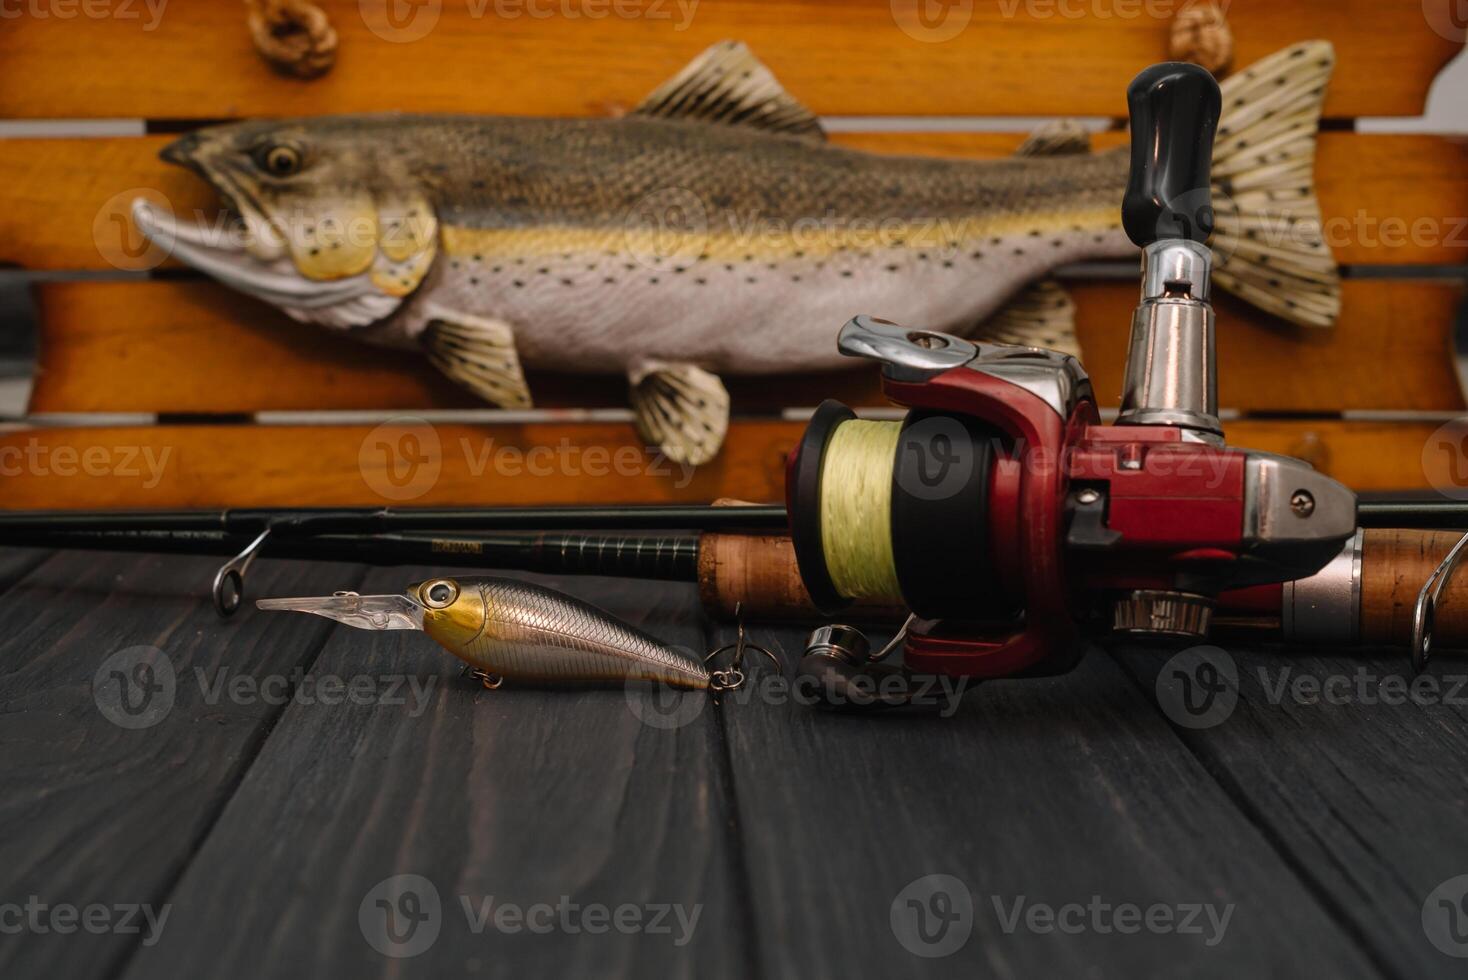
x=1192, y=742
x=227, y=790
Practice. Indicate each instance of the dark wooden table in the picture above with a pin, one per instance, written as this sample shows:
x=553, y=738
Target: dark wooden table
x=286, y=825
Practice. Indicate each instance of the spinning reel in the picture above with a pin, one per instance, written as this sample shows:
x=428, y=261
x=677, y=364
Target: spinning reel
x=1005, y=516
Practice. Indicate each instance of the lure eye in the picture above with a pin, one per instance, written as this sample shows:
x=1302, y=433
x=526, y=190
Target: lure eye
x=437, y=595
x=279, y=160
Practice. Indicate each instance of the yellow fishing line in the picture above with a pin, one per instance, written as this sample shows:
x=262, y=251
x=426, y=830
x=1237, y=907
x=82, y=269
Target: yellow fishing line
x=856, y=504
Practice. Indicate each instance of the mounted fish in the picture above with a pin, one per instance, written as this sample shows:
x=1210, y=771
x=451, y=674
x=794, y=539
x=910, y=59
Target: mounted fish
x=712, y=231
x=505, y=629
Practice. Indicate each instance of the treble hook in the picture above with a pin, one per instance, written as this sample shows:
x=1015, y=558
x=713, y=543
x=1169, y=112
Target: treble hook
x=731, y=678
x=229, y=581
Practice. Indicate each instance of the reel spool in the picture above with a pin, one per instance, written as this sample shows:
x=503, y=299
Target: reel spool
x=898, y=512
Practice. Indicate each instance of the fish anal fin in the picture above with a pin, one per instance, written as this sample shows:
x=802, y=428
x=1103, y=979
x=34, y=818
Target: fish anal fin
x=680, y=408
x=1040, y=315
x=1054, y=138
x=727, y=85
x=478, y=353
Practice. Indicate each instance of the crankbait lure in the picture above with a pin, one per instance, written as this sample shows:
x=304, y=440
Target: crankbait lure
x=504, y=629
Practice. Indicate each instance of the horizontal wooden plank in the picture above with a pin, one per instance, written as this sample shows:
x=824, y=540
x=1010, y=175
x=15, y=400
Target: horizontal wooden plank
x=1391, y=349
x=405, y=463
x=588, y=56
x=1386, y=199
x=195, y=347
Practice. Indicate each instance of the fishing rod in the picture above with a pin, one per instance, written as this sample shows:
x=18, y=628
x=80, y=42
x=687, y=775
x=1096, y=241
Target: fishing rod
x=999, y=514
x=1379, y=572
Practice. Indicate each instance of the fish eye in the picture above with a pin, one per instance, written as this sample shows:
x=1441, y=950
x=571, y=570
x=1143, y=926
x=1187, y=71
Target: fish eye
x=440, y=593
x=278, y=159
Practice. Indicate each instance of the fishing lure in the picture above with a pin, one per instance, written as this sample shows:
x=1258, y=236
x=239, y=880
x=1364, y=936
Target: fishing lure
x=504, y=629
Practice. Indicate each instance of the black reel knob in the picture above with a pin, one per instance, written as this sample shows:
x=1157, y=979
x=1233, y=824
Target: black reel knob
x=1174, y=111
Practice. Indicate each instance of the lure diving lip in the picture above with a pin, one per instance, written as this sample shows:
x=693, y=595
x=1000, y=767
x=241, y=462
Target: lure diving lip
x=513, y=630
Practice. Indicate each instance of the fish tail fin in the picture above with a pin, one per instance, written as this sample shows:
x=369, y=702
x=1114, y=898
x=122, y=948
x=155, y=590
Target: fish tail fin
x=1268, y=240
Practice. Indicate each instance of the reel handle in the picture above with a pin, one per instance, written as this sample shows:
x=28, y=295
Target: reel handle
x=1174, y=110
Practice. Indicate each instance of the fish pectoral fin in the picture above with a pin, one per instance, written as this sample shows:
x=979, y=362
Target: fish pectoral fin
x=1040, y=315
x=729, y=86
x=680, y=408
x=478, y=353
x=1056, y=138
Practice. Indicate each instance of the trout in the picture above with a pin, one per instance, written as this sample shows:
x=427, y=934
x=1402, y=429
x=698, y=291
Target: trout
x=713, y=231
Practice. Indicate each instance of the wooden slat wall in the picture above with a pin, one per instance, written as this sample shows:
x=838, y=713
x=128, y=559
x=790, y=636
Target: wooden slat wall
x=185, y=346
x=248, y=465
x=207, y=350
x=1024, y=57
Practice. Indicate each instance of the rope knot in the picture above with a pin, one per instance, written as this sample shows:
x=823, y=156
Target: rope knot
x=1201, y=34
x=295, y=36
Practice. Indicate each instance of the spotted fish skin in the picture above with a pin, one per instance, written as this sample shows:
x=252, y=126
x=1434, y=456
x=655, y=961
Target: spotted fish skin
x=534, y=634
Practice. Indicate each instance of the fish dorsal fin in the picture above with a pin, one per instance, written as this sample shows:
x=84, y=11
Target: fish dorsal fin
x=728, y=85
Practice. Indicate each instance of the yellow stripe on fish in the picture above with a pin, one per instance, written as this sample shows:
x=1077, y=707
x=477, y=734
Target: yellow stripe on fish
x=768, y=242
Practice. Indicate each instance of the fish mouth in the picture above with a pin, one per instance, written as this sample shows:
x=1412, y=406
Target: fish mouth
x=223, y=254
